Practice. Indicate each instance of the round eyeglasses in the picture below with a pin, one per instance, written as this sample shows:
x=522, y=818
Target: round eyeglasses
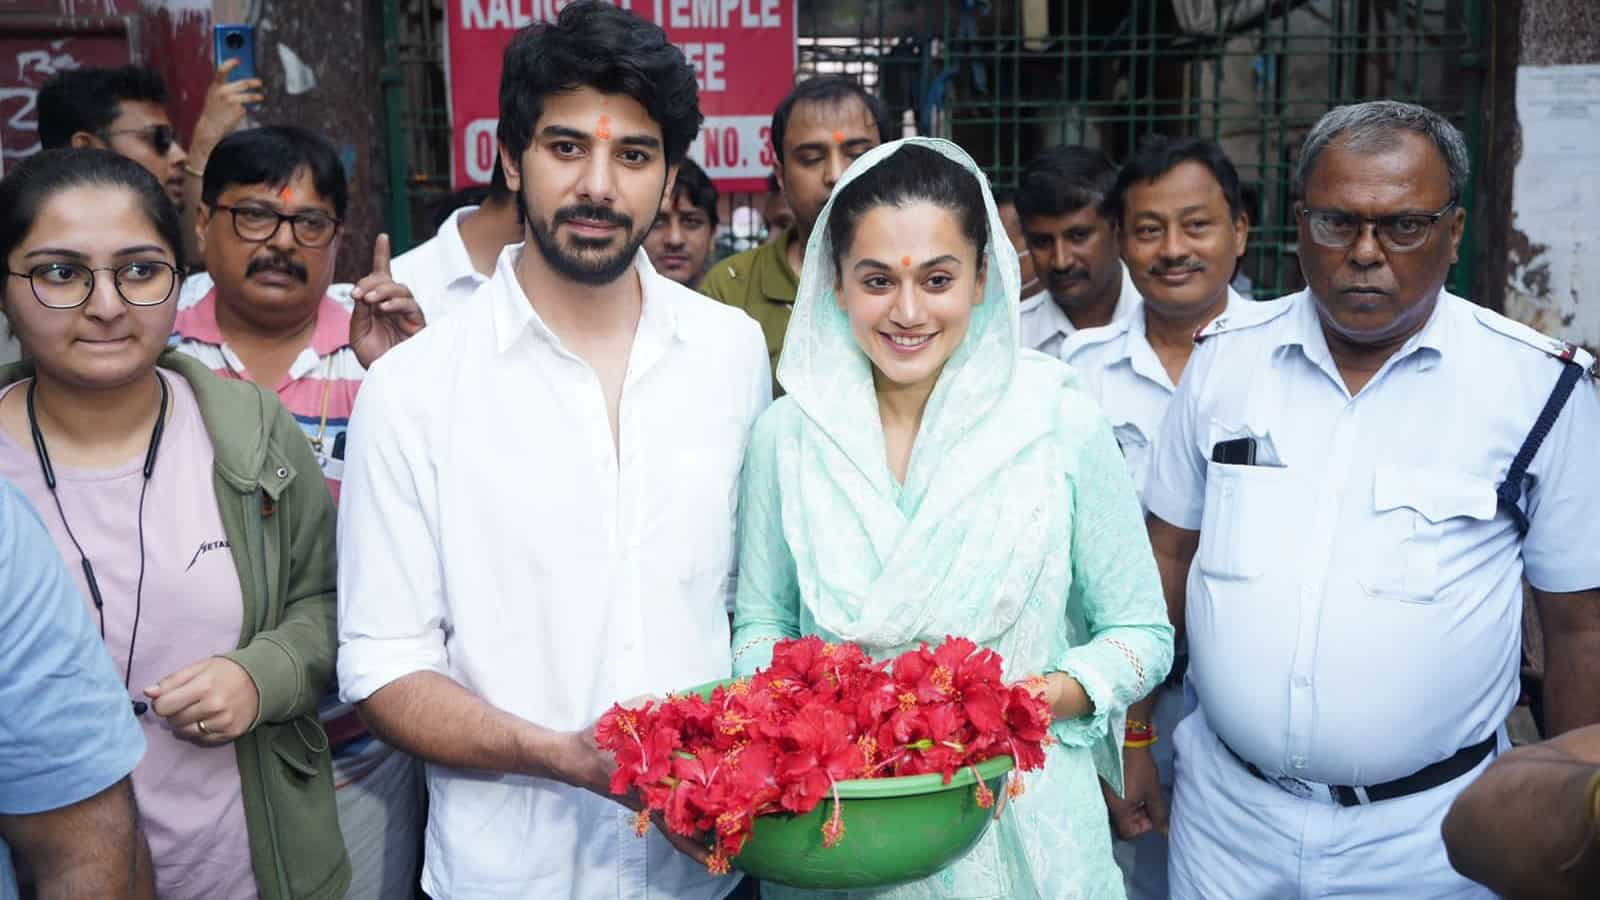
x=1339, y=230
x=61, y=285
x=259, y=223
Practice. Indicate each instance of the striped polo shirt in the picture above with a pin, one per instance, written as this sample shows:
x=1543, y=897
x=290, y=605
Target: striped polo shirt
x=319, y=391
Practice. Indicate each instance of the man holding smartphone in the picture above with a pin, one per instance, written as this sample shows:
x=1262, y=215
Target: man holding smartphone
x=1360, y=475
x=124, y=110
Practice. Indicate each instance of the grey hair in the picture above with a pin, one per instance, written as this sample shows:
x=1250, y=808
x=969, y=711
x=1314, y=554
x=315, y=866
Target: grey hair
x=1370, y=128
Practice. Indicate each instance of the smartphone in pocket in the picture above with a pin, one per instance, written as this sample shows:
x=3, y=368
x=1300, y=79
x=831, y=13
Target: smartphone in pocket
x=236, y=42
x=1236, y=452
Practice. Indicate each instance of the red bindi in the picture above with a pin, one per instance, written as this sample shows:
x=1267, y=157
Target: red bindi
x=602, y=129
x=838, y=137
x=905, y=261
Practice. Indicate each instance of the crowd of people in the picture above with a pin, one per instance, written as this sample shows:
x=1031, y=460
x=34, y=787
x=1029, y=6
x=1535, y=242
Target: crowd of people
x=404, y=540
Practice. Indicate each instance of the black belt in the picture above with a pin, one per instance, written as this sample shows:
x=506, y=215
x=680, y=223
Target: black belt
x=1445, y=770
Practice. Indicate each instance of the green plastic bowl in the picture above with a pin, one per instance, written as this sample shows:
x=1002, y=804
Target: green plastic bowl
x=896, y=830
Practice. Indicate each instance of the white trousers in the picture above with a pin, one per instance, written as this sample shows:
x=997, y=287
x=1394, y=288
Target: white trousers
x=1236, y=837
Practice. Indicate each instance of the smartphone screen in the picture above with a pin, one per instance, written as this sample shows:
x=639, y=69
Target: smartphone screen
x=236, y=42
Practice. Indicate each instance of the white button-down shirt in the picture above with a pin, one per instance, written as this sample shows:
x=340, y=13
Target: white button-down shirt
x=1120, y=368
x=490, y=532
x=1045, y=327
x=1354, y=606
x=439, y=270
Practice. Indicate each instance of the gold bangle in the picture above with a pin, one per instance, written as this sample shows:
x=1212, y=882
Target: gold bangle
x=1138, y=745
x=191, y=170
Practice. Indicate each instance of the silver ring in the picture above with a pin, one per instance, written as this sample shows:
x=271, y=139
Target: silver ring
x=201, y=725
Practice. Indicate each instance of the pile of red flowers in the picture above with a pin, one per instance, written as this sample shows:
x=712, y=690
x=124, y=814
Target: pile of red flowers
x=782, y=740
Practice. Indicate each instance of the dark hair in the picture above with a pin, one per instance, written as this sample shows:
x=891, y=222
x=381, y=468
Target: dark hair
x=1004, y=196
x=271, y=155
x=1064, y=179
x=1160, y=155
x=829, y=90
x=694, y=183
x=911, y=174
x=598, y=45
x=498, y=189
x=26, y=189
x=89, y=100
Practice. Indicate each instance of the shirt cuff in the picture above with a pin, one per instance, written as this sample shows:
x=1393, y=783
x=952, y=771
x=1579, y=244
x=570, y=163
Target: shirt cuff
x=269, y=663
x=1085, y=730
x=368, y=664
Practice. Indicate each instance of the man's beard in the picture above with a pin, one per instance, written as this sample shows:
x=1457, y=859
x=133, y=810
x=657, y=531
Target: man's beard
x=579, y=266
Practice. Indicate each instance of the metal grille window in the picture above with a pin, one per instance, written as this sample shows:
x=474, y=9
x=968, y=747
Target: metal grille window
x=1006, y=78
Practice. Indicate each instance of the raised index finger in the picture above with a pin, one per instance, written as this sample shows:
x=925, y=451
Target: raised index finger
x=380, y=256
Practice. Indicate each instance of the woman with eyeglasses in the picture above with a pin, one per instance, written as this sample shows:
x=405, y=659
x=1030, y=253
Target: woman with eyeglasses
x=194, y=516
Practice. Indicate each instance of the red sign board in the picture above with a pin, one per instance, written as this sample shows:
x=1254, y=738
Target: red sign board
x=29, y=58
x=743, y=53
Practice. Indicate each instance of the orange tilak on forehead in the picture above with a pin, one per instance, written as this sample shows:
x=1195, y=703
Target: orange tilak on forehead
x=602, y=128
x=838, y=137
x=905, y=261
x=286, y=194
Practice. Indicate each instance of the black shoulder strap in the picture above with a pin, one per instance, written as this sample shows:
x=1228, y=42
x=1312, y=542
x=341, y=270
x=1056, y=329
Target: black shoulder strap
x=1509, y=492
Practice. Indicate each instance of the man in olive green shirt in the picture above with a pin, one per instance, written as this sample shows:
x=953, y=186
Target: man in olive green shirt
x=823, y=126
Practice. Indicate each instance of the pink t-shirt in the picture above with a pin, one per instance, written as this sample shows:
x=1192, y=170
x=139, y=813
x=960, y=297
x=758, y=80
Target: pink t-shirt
x=189, y=797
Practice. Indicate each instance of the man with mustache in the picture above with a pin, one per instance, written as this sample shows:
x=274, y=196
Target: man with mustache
x=273, y=202
x=1180, y=217
x=539, y=516
x=1350, y=485
x=1073, y=244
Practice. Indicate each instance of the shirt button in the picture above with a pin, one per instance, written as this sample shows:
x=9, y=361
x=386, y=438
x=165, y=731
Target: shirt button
x=1299, y=762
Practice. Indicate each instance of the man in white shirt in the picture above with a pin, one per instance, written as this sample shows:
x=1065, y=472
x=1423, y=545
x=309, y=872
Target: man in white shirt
x=1361, y=474
x=538, y=517
x=1182, y=227
x=1073, y=243
x=446, y=269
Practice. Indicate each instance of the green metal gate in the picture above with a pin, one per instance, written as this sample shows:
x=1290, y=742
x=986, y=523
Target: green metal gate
x=1006, y=78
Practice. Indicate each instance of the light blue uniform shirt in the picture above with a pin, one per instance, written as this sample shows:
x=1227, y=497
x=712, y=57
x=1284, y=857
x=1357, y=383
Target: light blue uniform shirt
x=1121, y=370
x=1354, y=605
x=67, y=730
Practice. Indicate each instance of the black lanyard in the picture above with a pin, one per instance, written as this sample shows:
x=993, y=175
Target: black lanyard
x=139, y=706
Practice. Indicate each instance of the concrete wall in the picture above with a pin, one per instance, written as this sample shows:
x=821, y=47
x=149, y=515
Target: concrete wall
x=1548, y=262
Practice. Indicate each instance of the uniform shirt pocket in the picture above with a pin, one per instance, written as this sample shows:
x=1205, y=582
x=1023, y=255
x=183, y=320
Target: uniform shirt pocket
x=1417, y=510
x=1244, y=519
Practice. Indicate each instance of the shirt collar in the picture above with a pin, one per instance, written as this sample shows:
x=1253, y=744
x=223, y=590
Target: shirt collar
x=1135, y=346
x=777, y=281
x=199, y=323
x=1054, y=322
x=514, y=315
x=457, y=261
x=1306, y=332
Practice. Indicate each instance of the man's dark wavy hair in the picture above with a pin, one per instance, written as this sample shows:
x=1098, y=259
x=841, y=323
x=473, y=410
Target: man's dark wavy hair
x=597, y=45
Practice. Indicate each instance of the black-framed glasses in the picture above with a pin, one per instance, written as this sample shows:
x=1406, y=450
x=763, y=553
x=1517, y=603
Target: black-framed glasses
x=1339, y=230
x=63, y=285
x=159, y=137
x=260, y=224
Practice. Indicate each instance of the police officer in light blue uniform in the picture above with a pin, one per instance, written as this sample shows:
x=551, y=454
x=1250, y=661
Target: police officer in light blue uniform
x=1182, y=227
x=1361, y=474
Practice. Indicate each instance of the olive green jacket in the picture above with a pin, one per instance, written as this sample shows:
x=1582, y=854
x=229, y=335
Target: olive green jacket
x=279, y=519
